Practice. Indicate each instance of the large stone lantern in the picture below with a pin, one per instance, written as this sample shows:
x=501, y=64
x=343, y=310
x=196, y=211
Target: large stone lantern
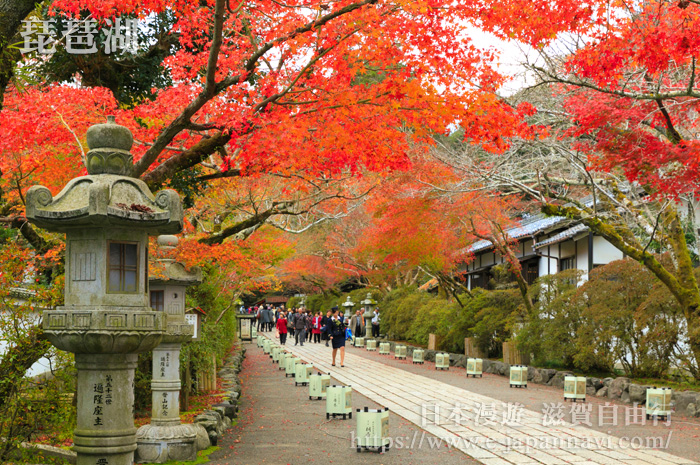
x=165, y=438
x=369, y=304
x=106, y=320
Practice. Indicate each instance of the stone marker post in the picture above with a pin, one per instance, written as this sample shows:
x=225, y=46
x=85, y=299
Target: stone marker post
x=369, y=304
x=165, y=438
x=106, y=320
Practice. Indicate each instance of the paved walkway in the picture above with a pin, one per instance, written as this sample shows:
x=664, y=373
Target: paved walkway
x=483, y=427
x=684, y=431
x=278, y=425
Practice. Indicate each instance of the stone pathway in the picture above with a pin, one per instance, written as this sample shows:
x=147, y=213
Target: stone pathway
x=474, y=423
x=279, y=425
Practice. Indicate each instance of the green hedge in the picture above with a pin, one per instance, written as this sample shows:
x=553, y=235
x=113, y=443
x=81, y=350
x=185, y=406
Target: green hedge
x=622, y=318
x=410, y=315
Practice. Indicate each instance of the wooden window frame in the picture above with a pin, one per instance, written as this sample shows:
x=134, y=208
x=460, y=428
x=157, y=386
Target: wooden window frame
x=122, y=269
x=572, y=260
x=162, y=300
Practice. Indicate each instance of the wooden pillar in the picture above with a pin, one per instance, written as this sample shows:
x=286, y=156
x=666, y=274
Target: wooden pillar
x=471, y=349
x=432, y=342
x=185, y=389
x=512, y=356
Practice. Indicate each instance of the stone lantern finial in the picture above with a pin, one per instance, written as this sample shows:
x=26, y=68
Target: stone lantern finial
x=110, y=145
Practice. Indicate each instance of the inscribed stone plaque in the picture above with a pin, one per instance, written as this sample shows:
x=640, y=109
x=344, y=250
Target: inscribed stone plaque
x=84, y=266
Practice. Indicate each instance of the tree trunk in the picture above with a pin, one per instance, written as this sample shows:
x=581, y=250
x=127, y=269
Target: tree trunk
x=680, y=281
x=12, y=12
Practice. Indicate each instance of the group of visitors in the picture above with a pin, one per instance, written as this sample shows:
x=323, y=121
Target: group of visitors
x=266, y=317
x=333, y=328
x=304, y=325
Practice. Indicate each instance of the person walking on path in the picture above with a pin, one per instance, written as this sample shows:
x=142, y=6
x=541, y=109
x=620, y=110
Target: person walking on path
x=290, y=321
x=259, y=317
x=336, y=331
x=267, y=319
x=375, y=323
x=316, y=323
x=282, y=327
x=309, y=325
x=299, y=327
x=325, y=324
x=357, y=324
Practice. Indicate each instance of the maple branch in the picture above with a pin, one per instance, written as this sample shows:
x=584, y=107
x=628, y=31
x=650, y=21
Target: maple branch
x=555, y=79
x=309, y=226
x=187, y=159
x=21, y=224
x=691, y=81
x=210, y=89
x=210, y=83
x=671, y=133
x=77, y=141
x=232, y=173
x=656, y=226
x=254, y=221
x=169, y=147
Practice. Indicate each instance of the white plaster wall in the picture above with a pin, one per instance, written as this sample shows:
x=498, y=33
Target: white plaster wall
x=604, y=252
x=582, y=256
x=544, y=270
x=568, y=249
x=487, y=259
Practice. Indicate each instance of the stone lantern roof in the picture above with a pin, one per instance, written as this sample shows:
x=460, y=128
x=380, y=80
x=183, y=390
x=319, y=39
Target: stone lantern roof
x=369, y=300
x=108, y=195
x=168, y=271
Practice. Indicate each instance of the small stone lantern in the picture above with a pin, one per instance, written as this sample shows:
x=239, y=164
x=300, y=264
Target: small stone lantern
x=348, y=305
x=165, y=438
x=106, y=321
x=369, y=305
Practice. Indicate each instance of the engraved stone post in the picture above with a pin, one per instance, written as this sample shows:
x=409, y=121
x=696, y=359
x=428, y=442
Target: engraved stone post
x=165, y=438
x=106, y=320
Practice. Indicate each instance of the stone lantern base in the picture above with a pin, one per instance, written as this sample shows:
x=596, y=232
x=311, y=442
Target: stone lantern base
x=159, y=444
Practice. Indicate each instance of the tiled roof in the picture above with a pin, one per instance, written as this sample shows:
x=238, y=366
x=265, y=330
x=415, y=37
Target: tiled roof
x=562, y=236
x=529, y=227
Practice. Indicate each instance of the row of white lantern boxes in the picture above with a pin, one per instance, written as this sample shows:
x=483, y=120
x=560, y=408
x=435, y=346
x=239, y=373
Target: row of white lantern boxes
x=372, y=424
x=658, y=402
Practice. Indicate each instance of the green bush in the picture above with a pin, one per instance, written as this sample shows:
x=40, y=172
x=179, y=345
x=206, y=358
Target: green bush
x=411, y=315
x=622, y=316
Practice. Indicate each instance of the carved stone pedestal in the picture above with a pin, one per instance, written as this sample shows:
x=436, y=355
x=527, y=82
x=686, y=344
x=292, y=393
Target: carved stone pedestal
x=105, y=434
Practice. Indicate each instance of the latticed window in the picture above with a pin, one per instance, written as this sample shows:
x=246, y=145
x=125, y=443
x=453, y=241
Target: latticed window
x=568, y=263
x=123, y=267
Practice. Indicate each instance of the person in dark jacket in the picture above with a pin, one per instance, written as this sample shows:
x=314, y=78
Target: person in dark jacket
x=299, y=327
x=325, y=323
x=267, y=319
x=336, y=330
